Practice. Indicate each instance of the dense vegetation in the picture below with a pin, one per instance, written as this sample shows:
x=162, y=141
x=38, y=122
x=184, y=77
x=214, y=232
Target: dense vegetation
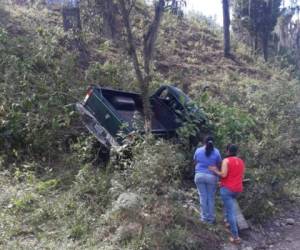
x=56, y=195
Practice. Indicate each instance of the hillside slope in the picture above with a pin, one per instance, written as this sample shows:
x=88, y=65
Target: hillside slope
x=52, y=194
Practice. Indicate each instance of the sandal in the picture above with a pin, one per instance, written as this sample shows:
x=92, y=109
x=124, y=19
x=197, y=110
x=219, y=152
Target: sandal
x=226, y=224
x=235, y=240
x=227, y=229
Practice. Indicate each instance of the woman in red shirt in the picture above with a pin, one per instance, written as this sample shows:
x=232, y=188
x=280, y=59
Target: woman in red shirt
x=232, y=174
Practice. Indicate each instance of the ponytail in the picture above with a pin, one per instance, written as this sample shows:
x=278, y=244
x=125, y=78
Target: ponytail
x=209, y=145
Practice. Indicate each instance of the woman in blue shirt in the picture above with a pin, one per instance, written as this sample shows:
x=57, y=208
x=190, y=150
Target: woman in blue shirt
x=206, y=180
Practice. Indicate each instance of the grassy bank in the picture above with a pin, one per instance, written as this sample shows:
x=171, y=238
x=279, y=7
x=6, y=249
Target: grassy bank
x=54, y=195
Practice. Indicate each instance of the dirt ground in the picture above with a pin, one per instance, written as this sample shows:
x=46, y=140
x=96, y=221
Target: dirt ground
x=280, y=233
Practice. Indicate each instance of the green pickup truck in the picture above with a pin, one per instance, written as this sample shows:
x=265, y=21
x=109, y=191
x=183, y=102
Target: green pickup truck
x=106, y=111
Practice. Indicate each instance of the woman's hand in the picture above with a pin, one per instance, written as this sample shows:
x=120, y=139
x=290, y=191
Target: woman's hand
x=213, y=168
x=224, y=169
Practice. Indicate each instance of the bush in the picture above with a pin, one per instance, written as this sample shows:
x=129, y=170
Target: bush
x=35, y=82
x=91, y=187
x=154, y=164
x=261, y=117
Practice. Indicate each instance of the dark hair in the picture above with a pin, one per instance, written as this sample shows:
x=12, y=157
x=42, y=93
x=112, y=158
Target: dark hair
x=232, y=149
x=209, y=145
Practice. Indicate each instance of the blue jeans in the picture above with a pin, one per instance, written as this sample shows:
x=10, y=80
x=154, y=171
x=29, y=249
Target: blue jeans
x=206, y=186
x=228, y=198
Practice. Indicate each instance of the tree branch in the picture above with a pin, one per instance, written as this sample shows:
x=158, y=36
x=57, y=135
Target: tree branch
x=131, y=44
x=151, y=35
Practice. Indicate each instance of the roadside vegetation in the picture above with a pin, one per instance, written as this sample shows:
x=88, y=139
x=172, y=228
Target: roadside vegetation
x=56, y=194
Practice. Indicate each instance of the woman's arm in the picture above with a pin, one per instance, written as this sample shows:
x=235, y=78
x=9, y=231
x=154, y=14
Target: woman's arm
x=195, y=157
x=219, y=164
x=224, y=169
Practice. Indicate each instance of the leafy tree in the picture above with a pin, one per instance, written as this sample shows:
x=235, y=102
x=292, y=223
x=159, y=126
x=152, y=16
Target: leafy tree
x=282, y=29
x=259, y=18
x=287, y=33
x=143, y=70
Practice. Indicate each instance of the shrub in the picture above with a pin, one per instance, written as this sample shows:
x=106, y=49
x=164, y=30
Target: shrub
x=24, y=203
x=91, y=187
x=44, y=186
x=154, y=164
x=35, y=82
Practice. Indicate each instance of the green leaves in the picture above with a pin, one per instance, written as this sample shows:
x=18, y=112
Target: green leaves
x=36, y=73
x=230, y=124
x=150, y=164
x=3, y=36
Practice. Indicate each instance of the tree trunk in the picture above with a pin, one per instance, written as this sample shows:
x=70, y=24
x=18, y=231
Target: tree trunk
x=109, y=19
x=255, y=43
x=265, y=44
x=131, y=44
x=226, y=25
x=149, y=43
x=249, y=8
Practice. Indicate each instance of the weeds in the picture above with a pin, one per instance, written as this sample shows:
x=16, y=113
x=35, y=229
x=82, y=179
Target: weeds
x=53, y=197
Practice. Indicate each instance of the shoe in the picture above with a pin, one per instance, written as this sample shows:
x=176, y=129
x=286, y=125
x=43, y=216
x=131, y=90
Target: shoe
x=212, y=222
x=236, y=240
x=227, y=229
x=209, y=222
x=203, y=220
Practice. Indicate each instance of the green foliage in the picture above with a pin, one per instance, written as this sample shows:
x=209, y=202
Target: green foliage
x=83, y=149
x=110, y=74
x=3, y=36
x=173, y=227
x=194, y=123
x=26, y=172
x=46, y=186
x=178, y=238
x=78, y=229
x=152, y=157
x=91, y=186
x=292, y=187
x=35, y=83
x=229, y=124
x=69, y=205
x=50, y=212
x=261, y=118
x=264, y=187
x=189, y=131
x=24, y=203
x=258, y=18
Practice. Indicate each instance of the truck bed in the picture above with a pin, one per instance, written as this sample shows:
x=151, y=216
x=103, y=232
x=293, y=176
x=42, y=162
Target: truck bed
x=129, y=107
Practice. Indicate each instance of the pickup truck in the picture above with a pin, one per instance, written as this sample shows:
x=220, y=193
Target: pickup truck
x=105, y=112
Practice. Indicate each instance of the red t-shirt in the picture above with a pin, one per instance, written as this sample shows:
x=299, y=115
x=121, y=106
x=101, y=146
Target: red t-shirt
x=234, y=179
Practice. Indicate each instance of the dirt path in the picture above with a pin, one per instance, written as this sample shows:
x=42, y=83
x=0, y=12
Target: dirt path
x=285, y=231
x=280, y=233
